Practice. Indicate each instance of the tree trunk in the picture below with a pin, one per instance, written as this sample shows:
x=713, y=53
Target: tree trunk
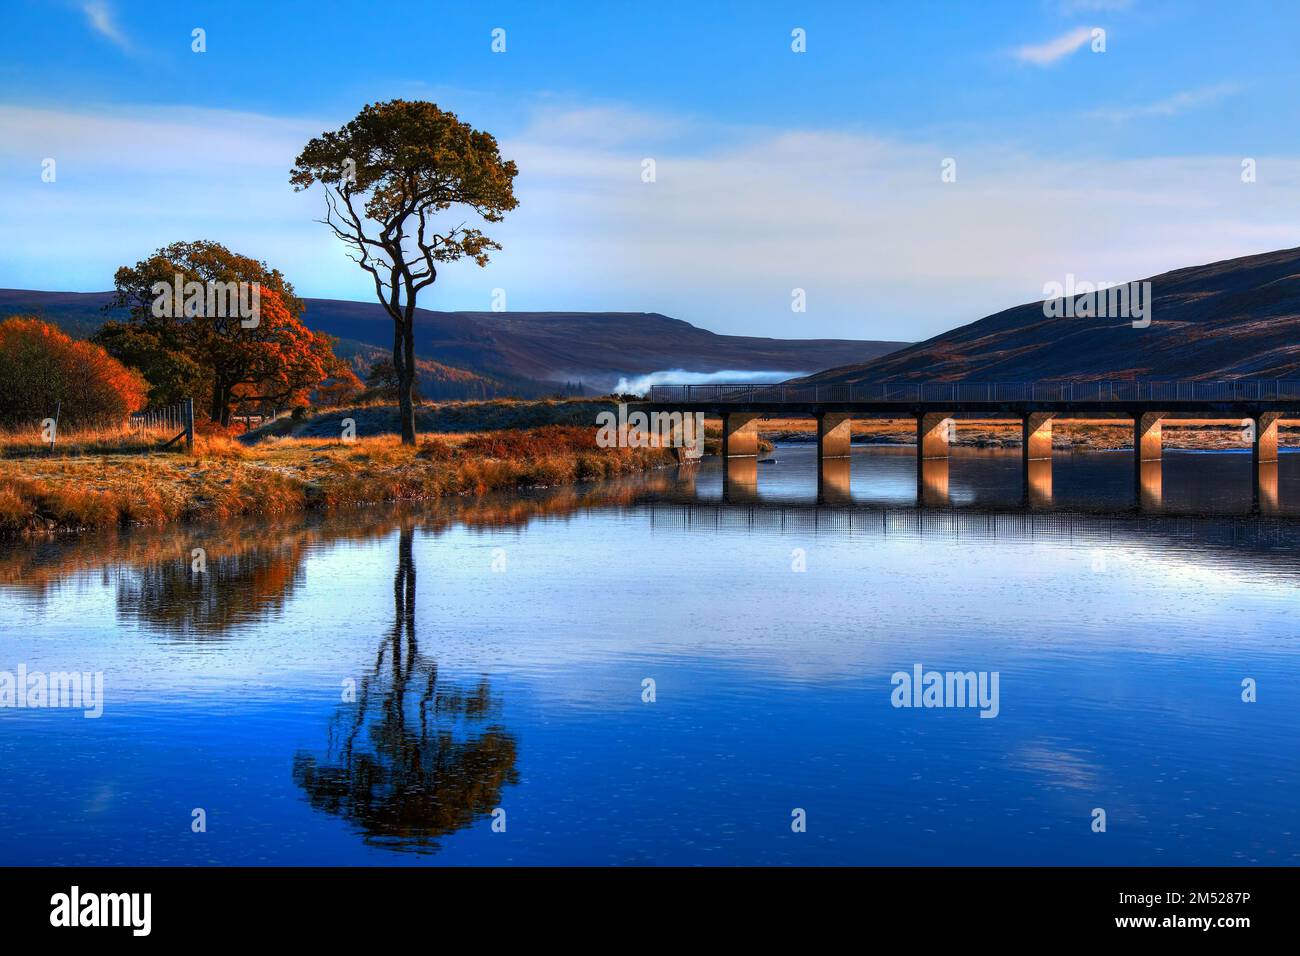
x=404, y=365
x=214, y=410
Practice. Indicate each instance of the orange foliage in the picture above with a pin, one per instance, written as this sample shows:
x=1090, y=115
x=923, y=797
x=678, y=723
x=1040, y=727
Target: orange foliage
x=42, y=368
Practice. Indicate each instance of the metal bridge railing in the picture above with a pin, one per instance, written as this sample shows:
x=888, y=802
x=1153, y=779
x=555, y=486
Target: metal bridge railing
x=1240, y=390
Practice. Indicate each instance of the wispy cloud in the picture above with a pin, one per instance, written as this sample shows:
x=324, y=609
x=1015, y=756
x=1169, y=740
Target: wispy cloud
x=1045, y=54
x=883, y=247
x=100, y=17
x=1170, y=105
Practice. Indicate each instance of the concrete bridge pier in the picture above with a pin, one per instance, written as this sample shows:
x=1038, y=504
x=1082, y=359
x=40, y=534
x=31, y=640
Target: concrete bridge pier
x=1264, y=462
x=1147, y=454
x=1146, y=436
x=932, y=430
x=1036, y=457
x=932, y=435
x=740, y=435
x=834, y=435
x=1264, y=447
x=1036, y=435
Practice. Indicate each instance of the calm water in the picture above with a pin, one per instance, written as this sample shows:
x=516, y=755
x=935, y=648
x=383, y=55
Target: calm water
x=369, y=687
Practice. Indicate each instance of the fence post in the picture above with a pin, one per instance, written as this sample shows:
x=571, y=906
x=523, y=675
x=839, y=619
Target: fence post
x=188, y=410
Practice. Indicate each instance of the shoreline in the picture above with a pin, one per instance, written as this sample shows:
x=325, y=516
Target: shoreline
x=43, y=496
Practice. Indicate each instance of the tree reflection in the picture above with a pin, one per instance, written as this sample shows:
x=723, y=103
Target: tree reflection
x=407, y=762
x=245, y=585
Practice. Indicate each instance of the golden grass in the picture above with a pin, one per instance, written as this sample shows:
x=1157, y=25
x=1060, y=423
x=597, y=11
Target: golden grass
x=223, y=478
x=84, y=441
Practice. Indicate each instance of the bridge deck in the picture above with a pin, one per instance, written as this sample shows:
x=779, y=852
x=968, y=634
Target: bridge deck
x=1108, y=399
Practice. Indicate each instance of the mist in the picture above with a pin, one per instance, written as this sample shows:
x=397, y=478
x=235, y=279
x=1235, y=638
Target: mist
x=640, y=384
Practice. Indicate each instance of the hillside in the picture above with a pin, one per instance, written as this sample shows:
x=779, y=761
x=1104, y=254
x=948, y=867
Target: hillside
x=1235, y=318
x=527, y=354
x=595, y=348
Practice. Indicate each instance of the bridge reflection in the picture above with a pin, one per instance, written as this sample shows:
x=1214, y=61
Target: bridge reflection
x=1275, y=540
x=945, y=481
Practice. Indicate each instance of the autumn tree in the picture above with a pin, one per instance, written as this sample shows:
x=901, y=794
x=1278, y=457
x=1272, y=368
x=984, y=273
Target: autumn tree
x=42, y=370
x=341, y=387
x=387, y=175
x=194, y=343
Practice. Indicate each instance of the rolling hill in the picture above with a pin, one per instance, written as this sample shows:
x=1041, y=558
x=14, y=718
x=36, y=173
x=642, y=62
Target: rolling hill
x=526, y=354
x=1229, y=319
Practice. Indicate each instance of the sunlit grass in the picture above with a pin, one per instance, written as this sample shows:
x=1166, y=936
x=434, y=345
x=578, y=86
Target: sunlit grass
x=223, y=478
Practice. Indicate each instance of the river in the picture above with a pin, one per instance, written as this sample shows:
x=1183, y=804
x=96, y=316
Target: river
x=678, y=669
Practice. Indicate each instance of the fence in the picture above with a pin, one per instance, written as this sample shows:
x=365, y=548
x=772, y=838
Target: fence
x=179, y=415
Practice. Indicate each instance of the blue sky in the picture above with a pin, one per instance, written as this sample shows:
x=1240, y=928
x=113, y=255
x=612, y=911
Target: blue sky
x=775, y=170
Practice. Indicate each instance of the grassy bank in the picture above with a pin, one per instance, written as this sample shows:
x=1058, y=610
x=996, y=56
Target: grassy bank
x=439, y=418
x=85, y=487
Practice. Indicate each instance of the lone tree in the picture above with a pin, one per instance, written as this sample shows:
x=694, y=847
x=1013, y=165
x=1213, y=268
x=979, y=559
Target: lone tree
x=397, y=165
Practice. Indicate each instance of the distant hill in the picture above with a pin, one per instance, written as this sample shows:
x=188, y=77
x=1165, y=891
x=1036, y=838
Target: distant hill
x=1235, y=318
x=595, y=348
x=528, y=354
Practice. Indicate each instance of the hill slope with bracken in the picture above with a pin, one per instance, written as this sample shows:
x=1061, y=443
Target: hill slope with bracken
x=596, y=348
x=1229, y=319
x=527, y=354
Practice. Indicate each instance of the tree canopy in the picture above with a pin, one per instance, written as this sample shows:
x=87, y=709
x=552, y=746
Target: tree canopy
x=43, y=369
x=396, y=166
x=219, y=356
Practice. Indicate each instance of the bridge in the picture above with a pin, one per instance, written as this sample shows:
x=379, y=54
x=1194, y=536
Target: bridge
x=934, y=406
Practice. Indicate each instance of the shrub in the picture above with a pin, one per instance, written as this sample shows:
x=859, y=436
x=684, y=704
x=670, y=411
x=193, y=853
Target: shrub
x=42, y=368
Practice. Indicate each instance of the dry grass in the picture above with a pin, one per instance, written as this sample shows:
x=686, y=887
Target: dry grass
x=86, y=441
x=223, y=478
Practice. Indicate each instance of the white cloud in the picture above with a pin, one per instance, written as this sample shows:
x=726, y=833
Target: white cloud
x=1169, y=106
x=100, y=17
x=1049, y=52
x=863, y=223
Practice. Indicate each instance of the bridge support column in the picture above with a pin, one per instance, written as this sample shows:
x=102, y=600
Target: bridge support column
x=834, y=435
x=1146, y=436
x=740, y=435
x=1036, y=435
x=1036, y=457
x=1263, y=461
x=1264, y=447
x=1148, y=478
x=932, y=435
